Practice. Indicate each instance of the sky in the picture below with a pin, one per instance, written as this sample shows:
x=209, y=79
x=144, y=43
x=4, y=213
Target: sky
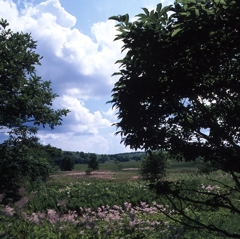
x=75, y=39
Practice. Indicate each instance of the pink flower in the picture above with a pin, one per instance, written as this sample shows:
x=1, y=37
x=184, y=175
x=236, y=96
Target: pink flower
x=34, y=218
x=41, y=215
x=116, y=207
x=52, y=215
x=21, y=203
x=70, y=217
x=132, y=223
x=9, y=211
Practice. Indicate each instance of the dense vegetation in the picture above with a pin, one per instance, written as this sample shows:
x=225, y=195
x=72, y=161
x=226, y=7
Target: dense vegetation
x=119, y=205
x=25, y=105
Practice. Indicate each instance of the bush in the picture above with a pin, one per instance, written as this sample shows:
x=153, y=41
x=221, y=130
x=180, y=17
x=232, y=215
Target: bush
x=67, y=164
x=93, y=162
x=19, y=166
x=88, y=171
x=153, y=166
x=206, y=168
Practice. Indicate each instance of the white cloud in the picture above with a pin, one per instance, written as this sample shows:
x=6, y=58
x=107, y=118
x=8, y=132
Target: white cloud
x=86, y=63
x=54, y=8
x=80, y=120
x=9, y=11
x=87, y=143
x=79, y=66
x=111, y=113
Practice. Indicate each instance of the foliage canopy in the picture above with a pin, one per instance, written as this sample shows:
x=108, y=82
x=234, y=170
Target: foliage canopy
x=179, y=81
x=93, y=162
x=25, y=103
x=26, y=99
x=179, y=90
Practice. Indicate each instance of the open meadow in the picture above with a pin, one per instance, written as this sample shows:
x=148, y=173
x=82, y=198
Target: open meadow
x=112, y=202
x=175, y=96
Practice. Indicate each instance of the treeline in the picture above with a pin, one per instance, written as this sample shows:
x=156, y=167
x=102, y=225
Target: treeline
x=55, y=155
x=83, y=158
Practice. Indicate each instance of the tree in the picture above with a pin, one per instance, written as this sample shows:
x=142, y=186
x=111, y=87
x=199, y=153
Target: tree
x=22, y=162
x=50, y=153
x=153, y=166
x=67, y=163
x=179, y=90
x=25, y=104
x=93, y=162
x=103, y=158
x=67, y=153
x=54, y=154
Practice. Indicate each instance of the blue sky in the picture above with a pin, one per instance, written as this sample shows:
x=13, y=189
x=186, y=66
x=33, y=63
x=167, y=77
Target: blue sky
x=75, y=39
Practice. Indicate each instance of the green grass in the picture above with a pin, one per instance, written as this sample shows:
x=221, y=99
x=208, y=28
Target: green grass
x=110, y=165
x=177, y=170
x=90, y=192
x=122, y=175
x=183, y=167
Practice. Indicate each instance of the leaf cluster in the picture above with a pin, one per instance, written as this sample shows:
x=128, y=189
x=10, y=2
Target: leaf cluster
x=178, y=86
x=178, y=90
x=25, y=104
x=22, y=163
x=26, y=99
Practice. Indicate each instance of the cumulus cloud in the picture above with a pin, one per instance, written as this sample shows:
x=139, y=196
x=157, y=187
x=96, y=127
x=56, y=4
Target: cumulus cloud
x=53, y=8
x=111, y=113
x=79, y=66
x=92, y=144
x=70, y=57
x=80, y=120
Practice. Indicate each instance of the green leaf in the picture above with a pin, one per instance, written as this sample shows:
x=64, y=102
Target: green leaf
x=142, y=16
x=197, y=12
x=186, y=1
x=146, y=11
x=223, y=2
x=124, y=18
x=176, y=31
x=116, y=18
x=159, y=7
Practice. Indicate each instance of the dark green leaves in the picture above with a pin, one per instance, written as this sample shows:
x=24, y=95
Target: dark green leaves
x=25, y=103
x=25, y=97
x=177, y=75
x=179, y=89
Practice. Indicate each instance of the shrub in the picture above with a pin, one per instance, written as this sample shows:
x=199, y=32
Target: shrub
x=93, y=162
x=207, y=167
x=153, y=166
x=88, y=171
x=67, y=164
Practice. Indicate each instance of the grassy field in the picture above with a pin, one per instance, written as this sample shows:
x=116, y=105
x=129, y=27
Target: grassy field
x=110, y=171
x=110, y=165
x=112, y=202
